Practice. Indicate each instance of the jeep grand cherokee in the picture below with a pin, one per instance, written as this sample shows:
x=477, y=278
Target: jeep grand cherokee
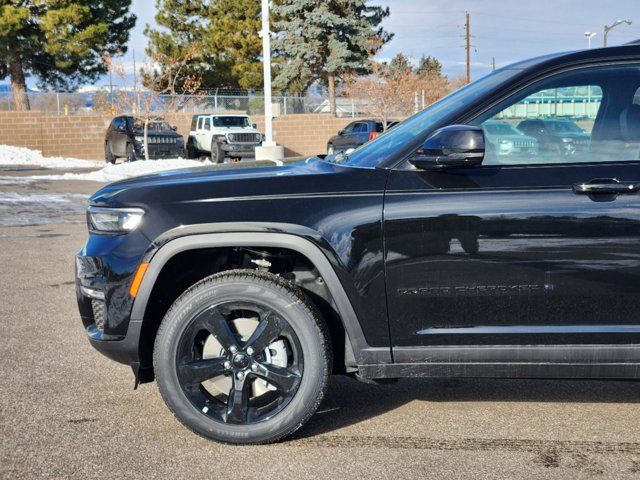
x=419, y=254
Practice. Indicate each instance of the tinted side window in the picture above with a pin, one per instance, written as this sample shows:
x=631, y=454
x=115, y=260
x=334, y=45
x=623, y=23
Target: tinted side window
x=360, y=128
x=348, y=128
x=119, y=123
x=200, y=122
x=207, y=123
x=194, y=123
x=587, y=115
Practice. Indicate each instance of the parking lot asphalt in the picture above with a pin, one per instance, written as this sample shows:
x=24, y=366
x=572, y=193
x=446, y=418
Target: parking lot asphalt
x=66, y=411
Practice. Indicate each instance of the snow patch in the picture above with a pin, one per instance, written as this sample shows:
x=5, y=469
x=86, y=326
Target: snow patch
x=10, y=155
x=113, y=173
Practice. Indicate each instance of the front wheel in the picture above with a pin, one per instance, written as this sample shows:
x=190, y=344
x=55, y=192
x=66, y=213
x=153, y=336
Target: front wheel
x=131, y=153
x=192, y=152
x=109, y=157
x=217, y=154
x=243, y=357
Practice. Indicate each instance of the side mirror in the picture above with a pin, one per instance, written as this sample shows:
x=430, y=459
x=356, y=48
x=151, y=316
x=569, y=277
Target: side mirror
x=174, y=128
x=254, y=125
x=454, y=146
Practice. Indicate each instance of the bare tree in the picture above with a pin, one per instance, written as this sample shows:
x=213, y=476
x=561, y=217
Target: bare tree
x=159, y=95
x=390, y=90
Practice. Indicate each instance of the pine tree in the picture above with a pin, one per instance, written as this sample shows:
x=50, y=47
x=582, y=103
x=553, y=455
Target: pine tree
x=400, y=64
x=226, y=33
x=323, y=40
x=429, y=65
x=62, y=43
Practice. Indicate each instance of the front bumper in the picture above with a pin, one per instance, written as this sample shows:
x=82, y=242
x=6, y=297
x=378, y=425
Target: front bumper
x=158, y=151
x=239, y=149
x=104, y=272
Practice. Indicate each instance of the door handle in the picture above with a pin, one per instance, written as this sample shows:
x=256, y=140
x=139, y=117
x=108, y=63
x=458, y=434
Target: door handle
x=606, y=186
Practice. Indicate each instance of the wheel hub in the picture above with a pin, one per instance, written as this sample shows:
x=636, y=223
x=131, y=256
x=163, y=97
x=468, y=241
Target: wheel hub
x=240, y=360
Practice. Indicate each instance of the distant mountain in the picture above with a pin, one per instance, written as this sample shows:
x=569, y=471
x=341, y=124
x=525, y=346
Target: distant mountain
x=6, y=88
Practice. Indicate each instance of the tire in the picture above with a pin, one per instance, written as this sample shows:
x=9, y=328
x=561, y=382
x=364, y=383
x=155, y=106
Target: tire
x=217, y=154
x=192, y=153
x=330, y=150
x=301, y=345
x=131, y=153
x=109, y=157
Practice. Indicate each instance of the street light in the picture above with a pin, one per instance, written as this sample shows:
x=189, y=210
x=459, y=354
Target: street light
x=589, y=36
x=608, y=28
x=268, y=150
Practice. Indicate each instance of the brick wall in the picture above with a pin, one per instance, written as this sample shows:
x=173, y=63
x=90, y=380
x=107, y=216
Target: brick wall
x=82, y=136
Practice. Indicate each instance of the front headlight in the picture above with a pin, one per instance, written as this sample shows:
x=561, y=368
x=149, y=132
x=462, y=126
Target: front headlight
x=113, y=220
x=506, y=146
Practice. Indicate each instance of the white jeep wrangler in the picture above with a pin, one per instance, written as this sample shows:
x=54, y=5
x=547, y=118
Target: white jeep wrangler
x=222, y=136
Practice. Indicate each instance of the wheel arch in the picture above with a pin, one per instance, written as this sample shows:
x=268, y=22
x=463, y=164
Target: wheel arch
x=356, y=349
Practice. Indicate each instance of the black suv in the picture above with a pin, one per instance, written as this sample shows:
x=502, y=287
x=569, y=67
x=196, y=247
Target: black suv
x=419, y=254
x=356, y=134
x=125, y=138
x=557, y=135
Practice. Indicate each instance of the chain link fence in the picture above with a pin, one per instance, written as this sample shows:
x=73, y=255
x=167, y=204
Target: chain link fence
x=87, y=103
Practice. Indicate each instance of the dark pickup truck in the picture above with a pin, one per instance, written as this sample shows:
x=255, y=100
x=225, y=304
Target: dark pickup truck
x=419, y=254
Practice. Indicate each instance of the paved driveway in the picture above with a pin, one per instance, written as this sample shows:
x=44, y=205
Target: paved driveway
x=66, y=411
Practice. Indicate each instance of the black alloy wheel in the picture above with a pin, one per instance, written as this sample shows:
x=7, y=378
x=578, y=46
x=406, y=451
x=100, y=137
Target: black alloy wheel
x=243, y=362
x=243, y=357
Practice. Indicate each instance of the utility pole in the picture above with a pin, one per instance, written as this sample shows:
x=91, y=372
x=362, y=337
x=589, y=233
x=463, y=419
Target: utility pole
x=608, y=28
x=589, y=36
x=467, y=35
x=493, y=63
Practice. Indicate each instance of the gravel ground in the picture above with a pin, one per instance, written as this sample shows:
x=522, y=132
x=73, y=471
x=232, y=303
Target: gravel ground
x=66, y=411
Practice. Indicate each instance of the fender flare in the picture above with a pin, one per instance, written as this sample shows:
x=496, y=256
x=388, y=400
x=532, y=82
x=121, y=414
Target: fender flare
x=361, y=352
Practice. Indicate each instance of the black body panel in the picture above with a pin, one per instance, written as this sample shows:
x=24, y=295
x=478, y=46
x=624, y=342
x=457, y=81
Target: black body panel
x=490, y=270
x=512, y=256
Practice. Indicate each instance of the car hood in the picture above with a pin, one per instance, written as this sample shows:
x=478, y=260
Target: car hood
x=210, y=181
x=156, y=133
x=288, y=194
x=513, y=137
x=574, y=135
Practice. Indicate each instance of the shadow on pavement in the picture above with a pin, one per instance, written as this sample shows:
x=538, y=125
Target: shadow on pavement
x=349, y=401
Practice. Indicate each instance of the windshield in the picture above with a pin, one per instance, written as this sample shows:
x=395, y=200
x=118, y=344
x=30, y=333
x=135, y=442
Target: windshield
x=500, y=129
x=154, y=125
x=231, y=122
x=372, y=153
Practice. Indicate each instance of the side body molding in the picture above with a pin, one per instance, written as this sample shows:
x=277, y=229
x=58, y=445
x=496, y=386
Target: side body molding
x=363, y=353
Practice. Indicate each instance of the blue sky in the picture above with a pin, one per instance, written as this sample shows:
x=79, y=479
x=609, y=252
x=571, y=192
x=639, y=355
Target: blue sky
x=507, y=30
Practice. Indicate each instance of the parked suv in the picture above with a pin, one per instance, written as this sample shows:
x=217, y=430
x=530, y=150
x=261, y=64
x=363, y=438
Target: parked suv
x=420, y=254
x=505, y=139
x=557, y=135
x=222, y=136
x=125, y=138
x=355, y=134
